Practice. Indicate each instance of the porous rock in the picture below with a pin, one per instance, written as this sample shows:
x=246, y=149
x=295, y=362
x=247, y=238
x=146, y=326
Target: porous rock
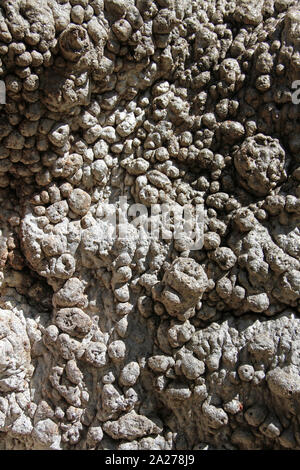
x=125, y=337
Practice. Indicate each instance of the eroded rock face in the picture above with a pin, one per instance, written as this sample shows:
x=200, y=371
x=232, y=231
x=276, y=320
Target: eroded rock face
x=113, y=341
x=184, y=284
x=15, y=353
x=260, y=164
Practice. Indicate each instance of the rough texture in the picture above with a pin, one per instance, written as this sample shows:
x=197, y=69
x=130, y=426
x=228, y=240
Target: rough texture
x=111, y=343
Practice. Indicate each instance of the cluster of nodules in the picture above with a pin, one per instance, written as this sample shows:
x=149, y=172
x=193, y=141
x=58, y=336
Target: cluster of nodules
x=136, y=343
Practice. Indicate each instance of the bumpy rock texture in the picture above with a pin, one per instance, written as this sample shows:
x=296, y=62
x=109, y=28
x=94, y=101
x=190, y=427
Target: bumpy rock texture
x=108, y=343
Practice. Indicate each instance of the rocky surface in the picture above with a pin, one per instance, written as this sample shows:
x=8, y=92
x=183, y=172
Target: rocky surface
x=113, y=343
